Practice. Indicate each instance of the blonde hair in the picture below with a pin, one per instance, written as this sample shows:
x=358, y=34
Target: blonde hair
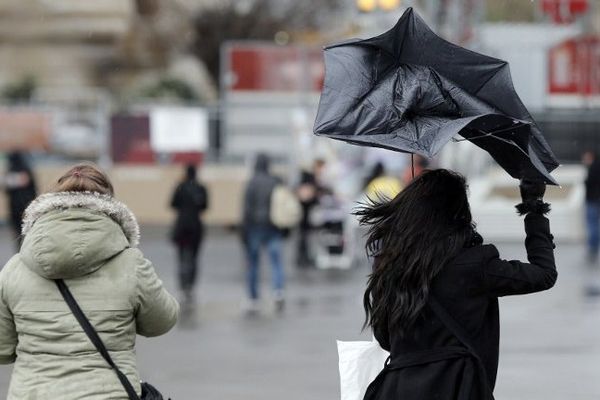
x=85, y=177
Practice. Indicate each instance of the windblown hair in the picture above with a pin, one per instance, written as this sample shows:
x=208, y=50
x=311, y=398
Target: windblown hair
x=85, y=177
x=411, y=238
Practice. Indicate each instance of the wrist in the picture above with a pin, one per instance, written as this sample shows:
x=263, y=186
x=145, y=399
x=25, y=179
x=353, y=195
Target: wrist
x=536, y=206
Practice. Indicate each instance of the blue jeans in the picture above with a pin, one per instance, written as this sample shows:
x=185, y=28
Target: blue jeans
x=592, y=216
x=256, y=239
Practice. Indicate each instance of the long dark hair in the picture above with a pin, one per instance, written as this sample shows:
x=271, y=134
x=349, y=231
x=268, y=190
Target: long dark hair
x=411, y=238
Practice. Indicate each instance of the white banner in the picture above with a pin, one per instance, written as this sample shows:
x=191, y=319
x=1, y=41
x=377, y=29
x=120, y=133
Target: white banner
x=178, y=129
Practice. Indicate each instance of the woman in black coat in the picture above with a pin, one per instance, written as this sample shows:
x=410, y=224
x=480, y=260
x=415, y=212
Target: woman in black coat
x=189, y=200
x=19, y=185
x=432, y=299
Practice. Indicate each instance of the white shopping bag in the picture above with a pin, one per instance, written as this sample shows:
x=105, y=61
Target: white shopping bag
x=360, y=363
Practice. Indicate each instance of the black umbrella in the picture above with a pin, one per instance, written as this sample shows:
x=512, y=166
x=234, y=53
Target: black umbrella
x=409, y=90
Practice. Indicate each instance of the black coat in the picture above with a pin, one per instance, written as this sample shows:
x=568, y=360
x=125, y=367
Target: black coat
x=19, y=199
x=468, y=289
x=592, y=182
x=190, y=199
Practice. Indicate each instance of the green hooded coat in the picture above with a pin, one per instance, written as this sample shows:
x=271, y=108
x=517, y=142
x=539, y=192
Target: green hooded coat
x=89, y=240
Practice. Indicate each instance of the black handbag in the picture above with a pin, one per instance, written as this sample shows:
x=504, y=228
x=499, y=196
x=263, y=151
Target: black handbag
x=149, y=392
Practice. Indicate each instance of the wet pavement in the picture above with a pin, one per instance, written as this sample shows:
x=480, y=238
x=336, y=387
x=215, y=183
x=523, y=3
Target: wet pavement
x=550, y=341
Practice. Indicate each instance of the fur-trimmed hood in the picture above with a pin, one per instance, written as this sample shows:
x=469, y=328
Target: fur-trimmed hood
x=69, y=234
x=101, y=203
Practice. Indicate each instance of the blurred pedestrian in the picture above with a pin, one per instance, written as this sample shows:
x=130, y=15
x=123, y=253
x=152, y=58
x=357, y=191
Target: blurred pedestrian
x=19, y=185
x=189, y=200
x=377, y=171
x=80, y=235
x=416, y=167
x=592, y=204
x=259, y=231
x=380, y=185
x=309, y=190
x=432, y=299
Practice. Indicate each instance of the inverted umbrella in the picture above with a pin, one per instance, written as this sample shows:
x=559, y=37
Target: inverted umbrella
x=409, y=90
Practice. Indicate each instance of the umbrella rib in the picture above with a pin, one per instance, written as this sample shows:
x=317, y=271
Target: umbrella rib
x=490, y=133
x=455, y=140
x=495, y=137
x=493, y=75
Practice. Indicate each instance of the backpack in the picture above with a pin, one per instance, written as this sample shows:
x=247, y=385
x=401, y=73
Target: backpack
x=286, y=210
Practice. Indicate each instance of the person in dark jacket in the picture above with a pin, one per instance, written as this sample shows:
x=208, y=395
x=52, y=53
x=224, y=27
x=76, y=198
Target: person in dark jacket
x=189, y=200
x=432, y=299
x=19, y=185
x=309, y=190
x=592, y=203
x=259, y=231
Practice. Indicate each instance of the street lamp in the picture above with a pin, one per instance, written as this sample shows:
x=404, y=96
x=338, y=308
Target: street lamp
x=389, y=5
x=366, y=6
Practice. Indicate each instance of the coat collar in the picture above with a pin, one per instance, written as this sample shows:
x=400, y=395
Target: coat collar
x=93, y=201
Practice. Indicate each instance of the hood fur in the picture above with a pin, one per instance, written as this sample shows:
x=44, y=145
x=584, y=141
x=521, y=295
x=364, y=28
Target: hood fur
x=97, y=202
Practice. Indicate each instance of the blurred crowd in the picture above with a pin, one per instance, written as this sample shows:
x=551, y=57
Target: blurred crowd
x=311, y=212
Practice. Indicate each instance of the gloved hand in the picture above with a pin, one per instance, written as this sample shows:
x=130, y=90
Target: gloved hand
x=532, y=190
x=532, y=195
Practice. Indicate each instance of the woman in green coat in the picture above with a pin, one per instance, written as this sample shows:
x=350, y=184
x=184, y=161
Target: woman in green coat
x=81, y=234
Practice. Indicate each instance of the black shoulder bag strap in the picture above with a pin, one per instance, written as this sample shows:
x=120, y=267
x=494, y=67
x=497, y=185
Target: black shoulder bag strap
x=463, y=337
x=94, y=338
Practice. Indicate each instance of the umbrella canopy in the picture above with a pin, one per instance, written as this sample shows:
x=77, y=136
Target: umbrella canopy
x=409, y=90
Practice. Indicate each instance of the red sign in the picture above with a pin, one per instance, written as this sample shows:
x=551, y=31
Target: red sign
x=574, y=67
x=269, y=67
x=130, y=143
x=23, y=129
x=130, y=139
x=564, y=11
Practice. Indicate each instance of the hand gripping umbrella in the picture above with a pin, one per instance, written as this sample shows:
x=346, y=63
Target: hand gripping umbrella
x=411, y=91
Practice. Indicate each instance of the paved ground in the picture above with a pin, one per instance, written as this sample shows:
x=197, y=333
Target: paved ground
x=550, y=341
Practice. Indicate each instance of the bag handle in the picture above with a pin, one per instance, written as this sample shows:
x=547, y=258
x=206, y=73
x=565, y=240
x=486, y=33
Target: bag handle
x=94, y=337
x=463, y=337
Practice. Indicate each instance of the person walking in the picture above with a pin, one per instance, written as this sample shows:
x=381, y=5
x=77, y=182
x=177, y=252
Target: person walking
x=259, y=231
x=380, y=185
x=432, y=299
x=189, y=200
x=19, y=185
x=309, y=191
x=418, y=164
x=592, y=204
x=592, y=219
x=80, y=234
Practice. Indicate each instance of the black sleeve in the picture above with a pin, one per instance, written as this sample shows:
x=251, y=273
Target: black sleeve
x=176, y=199
x=201, y=197
x=206, y=199
x=504, y=278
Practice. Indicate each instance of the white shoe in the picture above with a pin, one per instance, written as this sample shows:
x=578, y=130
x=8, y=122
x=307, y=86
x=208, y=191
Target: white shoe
x=251, y=306
x=279, y=300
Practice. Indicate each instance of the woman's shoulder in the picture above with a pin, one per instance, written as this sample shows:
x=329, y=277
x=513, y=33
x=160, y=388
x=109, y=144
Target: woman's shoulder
x=9, y=268
x=141, y=265
x=476, y=254
x=133, y=256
